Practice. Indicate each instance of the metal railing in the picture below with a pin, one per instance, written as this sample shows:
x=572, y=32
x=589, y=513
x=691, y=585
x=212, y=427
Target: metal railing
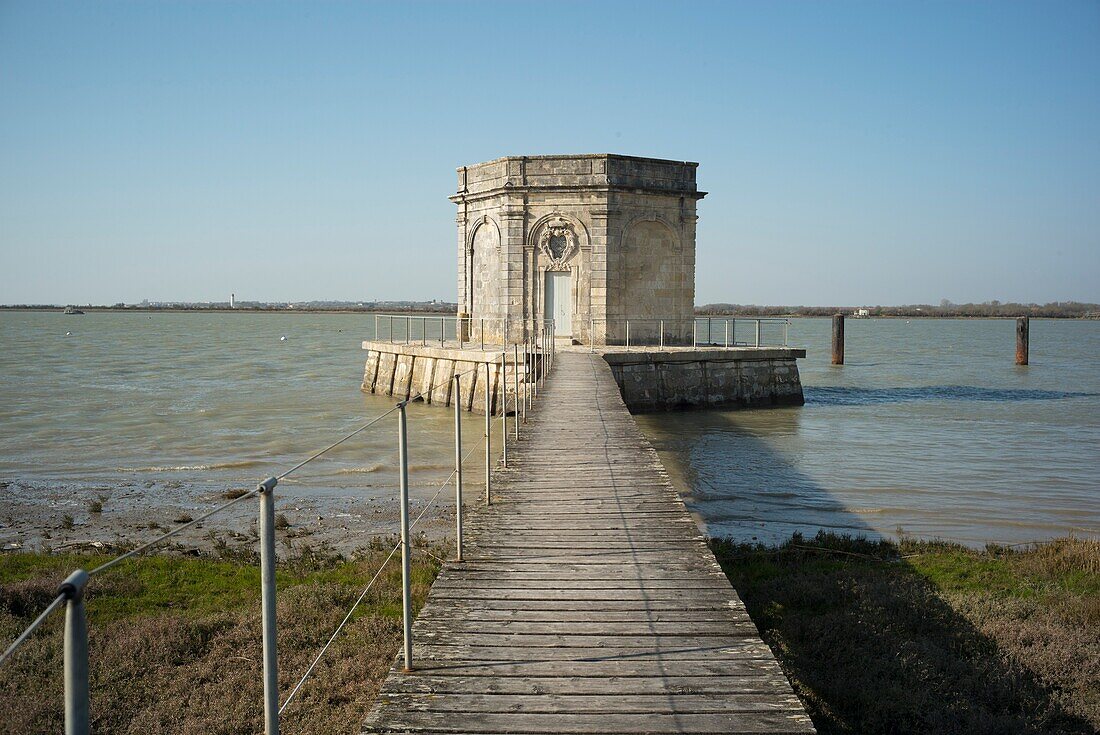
x=691, y=332
x=529, y=367
x=444, y=331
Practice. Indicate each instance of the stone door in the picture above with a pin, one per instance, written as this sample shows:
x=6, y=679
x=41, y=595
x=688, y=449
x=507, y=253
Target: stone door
x=559, y=302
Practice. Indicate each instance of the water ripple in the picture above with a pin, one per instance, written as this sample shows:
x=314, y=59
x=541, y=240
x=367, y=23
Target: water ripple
x=854, y=396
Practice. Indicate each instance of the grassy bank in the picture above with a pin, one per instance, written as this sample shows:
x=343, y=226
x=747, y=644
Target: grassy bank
x=175, y=642
x=923, y=637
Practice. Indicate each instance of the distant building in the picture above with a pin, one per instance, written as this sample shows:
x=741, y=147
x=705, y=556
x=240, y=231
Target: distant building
x=585, y=241
x=862, y=313
x=232, y=301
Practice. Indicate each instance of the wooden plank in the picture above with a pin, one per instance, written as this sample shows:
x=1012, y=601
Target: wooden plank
x=515, y=723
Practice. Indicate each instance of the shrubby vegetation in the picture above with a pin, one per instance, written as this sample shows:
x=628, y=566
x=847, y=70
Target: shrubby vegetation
x=175, y=641
x=879, y=637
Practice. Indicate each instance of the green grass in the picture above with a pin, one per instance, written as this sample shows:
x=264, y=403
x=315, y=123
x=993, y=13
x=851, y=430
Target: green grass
x=878, y=637
x=175, y=640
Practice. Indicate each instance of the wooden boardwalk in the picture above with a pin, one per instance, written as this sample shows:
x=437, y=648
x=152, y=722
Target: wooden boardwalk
x=588, y=601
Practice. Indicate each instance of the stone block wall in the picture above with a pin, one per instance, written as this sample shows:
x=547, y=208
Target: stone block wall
x=403, y=371
x=714, y=378
x=622, y=227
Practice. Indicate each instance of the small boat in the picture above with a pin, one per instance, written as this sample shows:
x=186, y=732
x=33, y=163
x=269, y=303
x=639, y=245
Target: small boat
x=71, y=310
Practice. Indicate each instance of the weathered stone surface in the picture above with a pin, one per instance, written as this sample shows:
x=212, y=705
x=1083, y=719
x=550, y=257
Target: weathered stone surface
x=622, y=227
x=426, y=374
x=670, y=380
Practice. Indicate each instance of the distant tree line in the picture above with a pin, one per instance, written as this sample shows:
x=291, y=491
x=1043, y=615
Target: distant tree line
x=1053, y=310
x=436, y=307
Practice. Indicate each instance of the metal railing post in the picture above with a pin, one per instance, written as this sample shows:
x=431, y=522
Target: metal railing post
x=406, y=572
x=786, y=326
x=726, y=342
x=662, y=328
x=503, y=381
x=488, y=435
x=627, y=332
x=710, y=336
x=442, y=330
x=77, y=697
x=458, y=469
x=515, y=415
x=267, y=605
x=524, y=382
x=757, y=332
x=535, y=362
x=528, y=391
x=694, y=324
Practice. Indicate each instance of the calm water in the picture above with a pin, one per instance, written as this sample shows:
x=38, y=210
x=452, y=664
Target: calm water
x=207, y=400
x=929, y=428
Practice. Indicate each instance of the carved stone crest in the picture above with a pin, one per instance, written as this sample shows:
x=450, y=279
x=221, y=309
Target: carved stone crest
x=558, y=242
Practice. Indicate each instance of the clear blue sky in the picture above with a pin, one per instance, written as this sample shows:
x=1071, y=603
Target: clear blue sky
x=867, y=152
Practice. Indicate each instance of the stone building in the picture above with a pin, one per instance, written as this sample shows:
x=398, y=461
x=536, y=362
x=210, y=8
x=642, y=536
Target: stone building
x=587, y=241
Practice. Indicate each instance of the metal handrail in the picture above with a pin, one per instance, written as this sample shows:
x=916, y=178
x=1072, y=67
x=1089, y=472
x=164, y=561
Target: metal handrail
x=461, y=331
x=537, y=360
x=683, y=331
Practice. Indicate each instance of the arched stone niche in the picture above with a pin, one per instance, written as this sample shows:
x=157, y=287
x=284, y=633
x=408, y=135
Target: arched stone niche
x=485, y=267
x=652, y=270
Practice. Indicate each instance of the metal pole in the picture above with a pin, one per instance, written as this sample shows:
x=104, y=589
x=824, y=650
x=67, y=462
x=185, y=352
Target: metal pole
x=627, y=332
x=786, y=326
x=458, y=470
x=693, y=325
x=515, y=378
x=488, y=434
x=525, y=382
x=535, y=360
x=757, y=332
x=727, y=338
x=406, y=572
x=267, y=605
x=710, y=337
x=442, y=330
x=408, y=328
x=662, y=328
x=527, y=390
x=504, y=405
x=77, y=698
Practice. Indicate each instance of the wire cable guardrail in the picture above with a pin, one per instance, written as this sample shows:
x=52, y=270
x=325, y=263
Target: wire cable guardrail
x=537, y=359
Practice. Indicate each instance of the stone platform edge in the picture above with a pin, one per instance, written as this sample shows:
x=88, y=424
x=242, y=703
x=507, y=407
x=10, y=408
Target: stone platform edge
x=649, y=380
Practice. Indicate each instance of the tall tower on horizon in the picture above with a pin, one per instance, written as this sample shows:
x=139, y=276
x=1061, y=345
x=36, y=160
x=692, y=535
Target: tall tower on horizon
x=232, y=301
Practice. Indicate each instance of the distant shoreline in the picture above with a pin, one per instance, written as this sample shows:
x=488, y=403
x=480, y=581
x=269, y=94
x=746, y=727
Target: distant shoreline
x=809, y=313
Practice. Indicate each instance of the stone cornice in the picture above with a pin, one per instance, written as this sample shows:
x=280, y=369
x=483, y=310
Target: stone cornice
x=460, y=197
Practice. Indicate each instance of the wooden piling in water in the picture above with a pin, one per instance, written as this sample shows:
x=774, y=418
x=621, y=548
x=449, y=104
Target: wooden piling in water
x=838, y=339
x=1023, y=338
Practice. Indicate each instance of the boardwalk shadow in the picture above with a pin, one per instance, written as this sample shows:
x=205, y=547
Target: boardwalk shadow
x=869, y=644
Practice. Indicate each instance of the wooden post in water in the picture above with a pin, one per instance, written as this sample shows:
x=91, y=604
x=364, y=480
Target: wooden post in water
x=838, y=339
x=1023, y=338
